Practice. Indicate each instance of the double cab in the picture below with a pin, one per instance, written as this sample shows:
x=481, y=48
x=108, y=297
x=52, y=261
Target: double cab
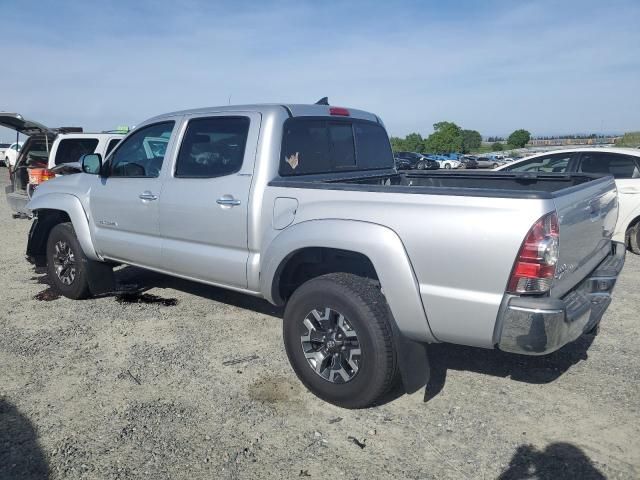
x=302, y=205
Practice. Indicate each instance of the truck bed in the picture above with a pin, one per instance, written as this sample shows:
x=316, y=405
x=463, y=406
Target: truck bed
x=478, y=184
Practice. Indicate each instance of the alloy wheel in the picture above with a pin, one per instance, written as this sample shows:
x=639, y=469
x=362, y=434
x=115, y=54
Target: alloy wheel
x=330, y=345
x=64, y=263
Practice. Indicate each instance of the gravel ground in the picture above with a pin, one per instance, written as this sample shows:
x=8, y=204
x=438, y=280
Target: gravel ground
x=192, y=382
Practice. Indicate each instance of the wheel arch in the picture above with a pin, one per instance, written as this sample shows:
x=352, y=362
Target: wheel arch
x=371, y=250
x=50, y=210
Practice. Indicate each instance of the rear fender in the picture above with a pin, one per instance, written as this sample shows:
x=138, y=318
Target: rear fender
x=379, y=244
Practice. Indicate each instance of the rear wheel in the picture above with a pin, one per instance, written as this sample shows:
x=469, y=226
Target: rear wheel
x=338, y=337
x=634, y=238
x=421, y=166
x=447, y=166
x=67, y=265
x=495, y=165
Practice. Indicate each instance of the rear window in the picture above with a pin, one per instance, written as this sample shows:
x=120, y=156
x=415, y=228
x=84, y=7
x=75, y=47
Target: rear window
x=321, y=146
x=71, y=149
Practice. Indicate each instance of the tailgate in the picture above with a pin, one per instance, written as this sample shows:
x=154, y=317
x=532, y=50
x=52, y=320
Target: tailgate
x=587, y=214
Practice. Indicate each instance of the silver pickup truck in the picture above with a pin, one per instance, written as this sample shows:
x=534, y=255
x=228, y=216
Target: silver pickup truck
x=301, y=205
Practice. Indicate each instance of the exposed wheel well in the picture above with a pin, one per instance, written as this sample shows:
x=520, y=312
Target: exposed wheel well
x=308, y=263
x=37, y=244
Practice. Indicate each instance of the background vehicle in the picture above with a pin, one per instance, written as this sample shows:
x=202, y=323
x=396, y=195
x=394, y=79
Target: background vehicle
x=10, y=154
x=44, y=149
x=622, y=163
x=486, y=162
x=3, y=147
x=414, y=161
x=310, y=213
x=468, y=162
x=449, y=164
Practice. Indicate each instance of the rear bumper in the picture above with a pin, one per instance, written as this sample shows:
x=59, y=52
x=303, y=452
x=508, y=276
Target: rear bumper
x=17, y=201
x=541, y=325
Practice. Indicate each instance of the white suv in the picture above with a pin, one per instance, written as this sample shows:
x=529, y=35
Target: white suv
x=45, y=149
x=622, y=163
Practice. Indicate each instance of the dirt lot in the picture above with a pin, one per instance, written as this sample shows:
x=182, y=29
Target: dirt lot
x=195, y=384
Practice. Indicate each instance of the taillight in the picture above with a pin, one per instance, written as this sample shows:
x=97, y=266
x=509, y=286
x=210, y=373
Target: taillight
x=40, y=175
x=535, y=266
x=343, y=112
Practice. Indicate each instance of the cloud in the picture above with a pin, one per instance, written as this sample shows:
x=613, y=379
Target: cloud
x=492, y=67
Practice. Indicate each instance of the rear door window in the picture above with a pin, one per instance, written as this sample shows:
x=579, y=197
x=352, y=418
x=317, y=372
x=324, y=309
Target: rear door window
x=620, y=166
x=322, y=146
x=71, y=149
x=212, y=147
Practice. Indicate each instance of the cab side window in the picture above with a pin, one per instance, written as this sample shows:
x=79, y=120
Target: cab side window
x=212, y=147
x=141, y=154
x=620, y=166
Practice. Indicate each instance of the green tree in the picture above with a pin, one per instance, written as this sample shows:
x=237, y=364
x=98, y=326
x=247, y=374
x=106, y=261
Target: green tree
x=497, y=146
x=446, y=138
x=411, y=143
x=471, y=140
x=519, y=138
x=414, y=143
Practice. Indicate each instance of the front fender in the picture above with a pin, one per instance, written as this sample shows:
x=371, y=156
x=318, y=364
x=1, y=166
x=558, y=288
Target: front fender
x=380, y=244
x=70, y=205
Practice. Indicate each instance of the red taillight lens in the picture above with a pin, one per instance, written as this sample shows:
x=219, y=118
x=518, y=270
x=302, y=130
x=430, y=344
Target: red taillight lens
x=535, y=266
x=40, y=175
x=343, y=112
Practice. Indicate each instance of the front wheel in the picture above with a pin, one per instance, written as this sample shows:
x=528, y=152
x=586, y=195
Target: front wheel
x=495, y=165
x=67, y=265
x=338, y=337
x=421, y=166
x=633, y=234
x=447, y=166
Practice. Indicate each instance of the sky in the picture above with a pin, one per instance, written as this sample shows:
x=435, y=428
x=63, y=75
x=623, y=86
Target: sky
x=494, y=66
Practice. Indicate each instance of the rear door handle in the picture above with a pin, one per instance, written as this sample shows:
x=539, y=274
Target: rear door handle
x=228, y=201
x=147, y=195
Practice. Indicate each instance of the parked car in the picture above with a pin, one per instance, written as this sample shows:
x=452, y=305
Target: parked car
x=486, y=162
x=449, y=164
x=468, y=162
x=370, y=263
x=622, y=163
x=10, y=154
x=3, y=147
x=45, y=149
x=414, y=161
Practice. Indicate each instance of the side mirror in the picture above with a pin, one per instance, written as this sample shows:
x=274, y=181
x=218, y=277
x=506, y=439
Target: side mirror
x=91, y=163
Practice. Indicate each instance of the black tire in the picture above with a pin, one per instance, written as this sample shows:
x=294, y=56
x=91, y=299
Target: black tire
x=634, y=238
x=447, y=166
x=362, y=304
x=78, y=288
x=495, y=165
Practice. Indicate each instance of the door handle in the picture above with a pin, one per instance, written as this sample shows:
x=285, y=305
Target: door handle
x=147, y=195
x=629, y=190
x=228, y=201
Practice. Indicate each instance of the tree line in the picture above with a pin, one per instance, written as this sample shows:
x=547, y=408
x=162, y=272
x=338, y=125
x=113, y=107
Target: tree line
x=447, y=137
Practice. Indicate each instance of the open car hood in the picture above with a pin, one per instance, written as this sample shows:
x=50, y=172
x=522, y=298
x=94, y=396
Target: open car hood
x=17, y=122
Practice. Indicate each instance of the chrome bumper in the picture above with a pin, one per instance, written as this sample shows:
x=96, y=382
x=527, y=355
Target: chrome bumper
x=541, y=325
